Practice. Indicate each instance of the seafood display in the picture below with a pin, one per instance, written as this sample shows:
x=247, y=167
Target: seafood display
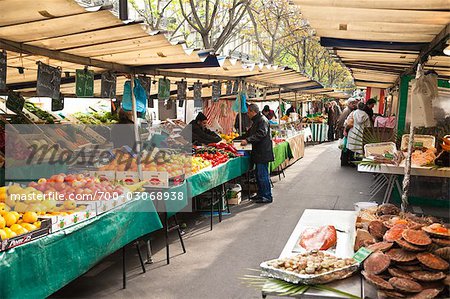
x=410, y=259
x=314, y=267
x=322, y=238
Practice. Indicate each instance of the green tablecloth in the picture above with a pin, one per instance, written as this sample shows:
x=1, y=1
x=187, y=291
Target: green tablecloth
x=41, y=267
x=206, y=180
x=282, y=152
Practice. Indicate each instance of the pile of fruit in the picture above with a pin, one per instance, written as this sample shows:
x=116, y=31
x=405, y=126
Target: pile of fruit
x=13, y=224
x=229, y=137
x=277, y=140
x=225, y=148
x=214, y=156
x=198, y=163
x=410, y=256
x=174, y=164
x=41, y=114
x=446, y=144
x=422, y=157
x=96, y=118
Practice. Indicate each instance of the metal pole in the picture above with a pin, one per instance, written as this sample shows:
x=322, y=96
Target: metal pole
x=279, y=104
x=137, y=137
x=240, y=109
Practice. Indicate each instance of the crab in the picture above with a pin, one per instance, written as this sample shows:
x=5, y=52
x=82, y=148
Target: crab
x=405, y=285
x=416, y=237
x=432, y=261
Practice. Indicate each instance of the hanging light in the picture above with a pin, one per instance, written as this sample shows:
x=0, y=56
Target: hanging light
x=21, y=70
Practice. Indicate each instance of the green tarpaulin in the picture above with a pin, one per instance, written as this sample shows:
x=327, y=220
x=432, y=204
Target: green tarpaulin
x=40, y=268
x=281, y=152
x=206, y=180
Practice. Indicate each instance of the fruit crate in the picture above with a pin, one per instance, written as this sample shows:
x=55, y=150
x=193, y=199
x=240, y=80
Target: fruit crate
x=59, y=222
x=43, y=231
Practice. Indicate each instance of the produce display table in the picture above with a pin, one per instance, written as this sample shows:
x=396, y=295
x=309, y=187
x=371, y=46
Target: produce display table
x=281, y=152
x=41, y=267
x=319, y=131
x=214, y=177
x=297, y=145
x=391, y=173
x=343, y=221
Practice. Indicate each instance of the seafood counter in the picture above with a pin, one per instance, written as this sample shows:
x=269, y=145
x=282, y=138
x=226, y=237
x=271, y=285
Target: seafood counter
x=400, y=255
x=410, y=254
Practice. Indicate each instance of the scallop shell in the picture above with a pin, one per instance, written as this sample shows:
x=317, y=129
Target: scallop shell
x=377, y=229
x=408, y=246
x=441, y=242
x=400, y=255
x=410, y=268
x=426, y=294
x=389, y=294
x=377, y=281
x=382, y=246
x=377, y=262
x=416, y=237
x=405, y=285
x=395, y=272
x=394, y=233
x=432, y=261
x=427, y=275
x=443, y=253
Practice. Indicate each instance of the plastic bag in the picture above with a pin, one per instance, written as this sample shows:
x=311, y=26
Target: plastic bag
x=243, y=103
x=424, y=90
x=139, y=94
x=343, y=144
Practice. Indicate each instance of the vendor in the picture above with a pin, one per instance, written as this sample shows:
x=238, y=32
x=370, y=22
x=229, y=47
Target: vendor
x=268, y=113
x=259, y=137
x=291, y=110
x=198, y=131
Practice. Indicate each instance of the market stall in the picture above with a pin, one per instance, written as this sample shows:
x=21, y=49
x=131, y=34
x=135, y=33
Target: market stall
x=69, y=253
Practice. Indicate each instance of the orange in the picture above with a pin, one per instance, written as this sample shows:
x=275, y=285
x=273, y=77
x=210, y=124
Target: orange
x=30, y=217
x=37, y=224
x=2, y=222
x=15, y=227
x=10, y=218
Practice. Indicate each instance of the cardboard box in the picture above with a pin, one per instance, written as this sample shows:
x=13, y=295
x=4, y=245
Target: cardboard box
x=239, y=147
x=129, y=177
x=59, y=222
x=43, y=231
x=156, y=179
x=103, y=206
x=108, y=175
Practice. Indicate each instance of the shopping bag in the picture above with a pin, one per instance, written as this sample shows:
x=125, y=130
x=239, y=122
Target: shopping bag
x=139, y=94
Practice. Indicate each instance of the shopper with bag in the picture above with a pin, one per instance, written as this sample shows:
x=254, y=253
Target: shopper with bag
x=356, y=122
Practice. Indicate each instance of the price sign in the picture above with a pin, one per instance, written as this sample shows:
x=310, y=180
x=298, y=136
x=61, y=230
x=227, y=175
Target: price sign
x=84, y=83
x=48, y=81
x=164, y=89
x=198, y=91
x=58, y=104
x=216, y=90
x=15, y=102
x=108, y=86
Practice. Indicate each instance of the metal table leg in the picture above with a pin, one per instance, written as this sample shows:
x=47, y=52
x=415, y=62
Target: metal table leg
x=390, y=186
x=149, y=253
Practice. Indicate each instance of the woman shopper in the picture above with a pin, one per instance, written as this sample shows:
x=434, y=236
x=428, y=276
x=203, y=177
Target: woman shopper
x=356, y=122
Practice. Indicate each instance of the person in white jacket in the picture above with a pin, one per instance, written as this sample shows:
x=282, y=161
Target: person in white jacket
x=358, y=120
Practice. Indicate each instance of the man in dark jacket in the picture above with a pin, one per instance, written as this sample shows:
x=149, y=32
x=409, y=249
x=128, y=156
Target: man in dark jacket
x=260, y=138
x=200, y=134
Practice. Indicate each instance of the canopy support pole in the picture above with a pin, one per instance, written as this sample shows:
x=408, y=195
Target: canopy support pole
x=240, y=109
x=136, y=127
x=279, y=105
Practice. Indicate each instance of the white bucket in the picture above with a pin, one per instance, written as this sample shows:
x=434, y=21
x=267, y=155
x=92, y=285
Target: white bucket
x=362, y=205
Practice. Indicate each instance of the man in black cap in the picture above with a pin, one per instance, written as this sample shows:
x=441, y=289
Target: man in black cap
x=200, y=134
